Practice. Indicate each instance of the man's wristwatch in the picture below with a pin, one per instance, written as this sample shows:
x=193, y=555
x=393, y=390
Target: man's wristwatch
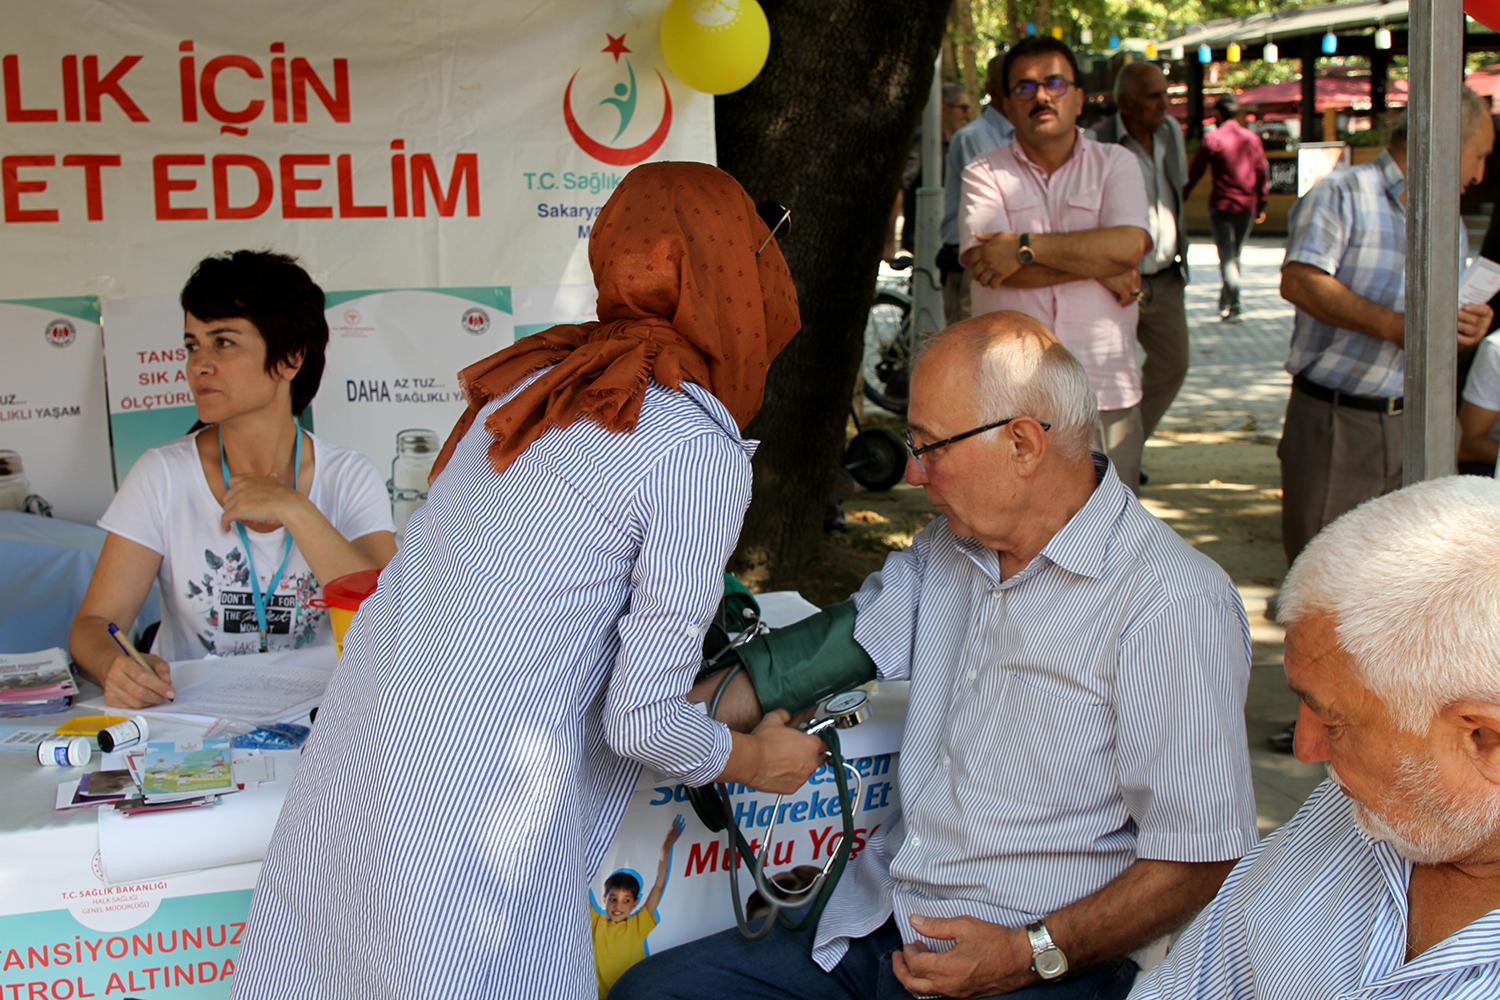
x=1024, y=253
x=1047, y=959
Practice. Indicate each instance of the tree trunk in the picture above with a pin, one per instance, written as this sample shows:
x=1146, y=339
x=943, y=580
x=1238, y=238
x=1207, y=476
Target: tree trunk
x=962, y=21
x=825, y=130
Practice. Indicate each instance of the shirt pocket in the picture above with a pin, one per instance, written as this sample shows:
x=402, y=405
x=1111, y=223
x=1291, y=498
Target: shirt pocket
x=1081, y=208
x=1039, y=745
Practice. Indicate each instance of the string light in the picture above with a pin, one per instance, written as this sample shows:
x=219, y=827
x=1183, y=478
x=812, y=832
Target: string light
x=1270, y=53
x=1086, y=36
x=1177, y=52
x=1232, y=53
x=1330, y=43
x=1151, y=50
x=1205, y=54
x=1057, y=31
x=1383, y=38
x=1114, y=41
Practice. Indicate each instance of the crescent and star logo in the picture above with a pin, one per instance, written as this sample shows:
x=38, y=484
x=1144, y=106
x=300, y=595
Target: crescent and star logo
x=624, y=103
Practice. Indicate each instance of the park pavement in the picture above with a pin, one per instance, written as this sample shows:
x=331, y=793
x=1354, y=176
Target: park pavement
x=1237, y=386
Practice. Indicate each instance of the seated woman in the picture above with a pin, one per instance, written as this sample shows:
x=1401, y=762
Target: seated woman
x=241, y=520
x=1479, y=432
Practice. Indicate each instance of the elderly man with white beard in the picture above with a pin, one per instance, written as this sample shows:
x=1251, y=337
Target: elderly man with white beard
x=1387, y=881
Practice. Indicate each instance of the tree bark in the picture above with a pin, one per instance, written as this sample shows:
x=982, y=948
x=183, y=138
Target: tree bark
x=824, y=130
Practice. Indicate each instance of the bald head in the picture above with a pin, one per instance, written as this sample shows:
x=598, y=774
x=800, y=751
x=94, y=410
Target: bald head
x=1020, y=368
x=1141, y=96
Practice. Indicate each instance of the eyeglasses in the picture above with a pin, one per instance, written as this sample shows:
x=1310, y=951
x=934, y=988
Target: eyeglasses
x=1026, y=90
x=917, y=453
x=962, y=107
x=775, y=215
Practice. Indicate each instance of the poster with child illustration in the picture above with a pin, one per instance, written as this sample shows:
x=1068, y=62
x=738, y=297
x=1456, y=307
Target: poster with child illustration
x=620, y=928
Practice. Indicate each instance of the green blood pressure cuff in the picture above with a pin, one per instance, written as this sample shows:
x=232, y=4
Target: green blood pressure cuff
x=796, y=667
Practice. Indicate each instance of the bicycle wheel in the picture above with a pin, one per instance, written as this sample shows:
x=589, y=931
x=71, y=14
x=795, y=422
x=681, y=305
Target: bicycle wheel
x=876, y=458
x=885, y=372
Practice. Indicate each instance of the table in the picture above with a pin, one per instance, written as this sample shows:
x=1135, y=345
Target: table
x=66, y=934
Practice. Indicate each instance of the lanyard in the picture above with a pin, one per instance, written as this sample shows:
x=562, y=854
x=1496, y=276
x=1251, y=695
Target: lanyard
x=262, y=599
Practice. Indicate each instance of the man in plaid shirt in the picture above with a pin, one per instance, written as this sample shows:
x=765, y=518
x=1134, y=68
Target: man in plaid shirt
x=1345, y=271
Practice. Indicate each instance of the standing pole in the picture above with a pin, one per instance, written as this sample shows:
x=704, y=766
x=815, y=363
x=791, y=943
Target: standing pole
x=926, y=283
x=1432, y=221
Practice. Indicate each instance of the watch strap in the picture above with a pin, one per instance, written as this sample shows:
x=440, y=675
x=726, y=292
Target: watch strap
x=1024, y=251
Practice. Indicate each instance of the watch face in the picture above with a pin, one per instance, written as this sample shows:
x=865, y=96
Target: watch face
x=1050, y=963
x=839, y=704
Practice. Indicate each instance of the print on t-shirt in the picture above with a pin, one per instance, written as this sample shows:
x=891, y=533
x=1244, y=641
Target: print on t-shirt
x=225, y=604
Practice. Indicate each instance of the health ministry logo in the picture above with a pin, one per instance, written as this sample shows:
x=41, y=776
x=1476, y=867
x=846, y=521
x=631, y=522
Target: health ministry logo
x=623, y=101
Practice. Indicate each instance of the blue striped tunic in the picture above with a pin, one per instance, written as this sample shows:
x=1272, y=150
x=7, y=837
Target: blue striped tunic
x=1318, y=912
x=1083, y=713
x=526, y=652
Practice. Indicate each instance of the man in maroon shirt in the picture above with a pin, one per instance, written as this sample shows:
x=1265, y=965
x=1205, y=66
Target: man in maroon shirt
x=1241, y=184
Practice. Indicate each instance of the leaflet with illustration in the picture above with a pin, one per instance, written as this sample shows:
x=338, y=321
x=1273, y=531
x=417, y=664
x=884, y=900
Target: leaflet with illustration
x=186, y=769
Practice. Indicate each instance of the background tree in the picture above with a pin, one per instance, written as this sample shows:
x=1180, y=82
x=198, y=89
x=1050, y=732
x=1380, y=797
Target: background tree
x=825, y=130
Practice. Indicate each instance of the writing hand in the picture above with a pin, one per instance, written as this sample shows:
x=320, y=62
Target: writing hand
x=127, y=684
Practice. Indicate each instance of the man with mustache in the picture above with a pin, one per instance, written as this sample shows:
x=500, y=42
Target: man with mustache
x=1054, y=225
x=1387, y=881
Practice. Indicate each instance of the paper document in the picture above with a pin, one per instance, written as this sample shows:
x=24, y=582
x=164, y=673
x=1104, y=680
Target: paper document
x=257, y=688
x=1480, y=282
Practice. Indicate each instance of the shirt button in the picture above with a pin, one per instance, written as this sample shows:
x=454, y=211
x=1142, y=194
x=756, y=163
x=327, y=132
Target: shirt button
x=946, y=760
x=973, y=674
x=916, y=841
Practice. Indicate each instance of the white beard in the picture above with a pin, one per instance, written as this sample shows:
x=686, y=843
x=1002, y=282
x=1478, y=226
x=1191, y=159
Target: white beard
x=1434, y=824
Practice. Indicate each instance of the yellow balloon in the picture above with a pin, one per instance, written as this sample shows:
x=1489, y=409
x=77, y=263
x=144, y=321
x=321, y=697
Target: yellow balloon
x=716, y=46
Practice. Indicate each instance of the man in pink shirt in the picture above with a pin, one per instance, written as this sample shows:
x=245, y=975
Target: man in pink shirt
x=1054, y=225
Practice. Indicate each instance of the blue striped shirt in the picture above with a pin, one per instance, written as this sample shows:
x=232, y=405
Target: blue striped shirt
x=1318, y=910
x=1085, y=712
x=526, y=652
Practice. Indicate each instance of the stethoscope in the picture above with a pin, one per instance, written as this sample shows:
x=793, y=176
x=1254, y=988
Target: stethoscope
x=841, y=711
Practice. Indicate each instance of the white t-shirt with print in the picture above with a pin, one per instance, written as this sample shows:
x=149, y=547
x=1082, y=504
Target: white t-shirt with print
x=166, y=505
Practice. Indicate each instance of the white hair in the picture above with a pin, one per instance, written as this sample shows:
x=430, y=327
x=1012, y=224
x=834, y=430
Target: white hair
x=1127, y=75
x=1021, y=376
x=1411, y=582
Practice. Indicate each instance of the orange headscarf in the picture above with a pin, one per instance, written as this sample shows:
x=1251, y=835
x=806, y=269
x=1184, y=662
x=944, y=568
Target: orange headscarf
x=682, y=297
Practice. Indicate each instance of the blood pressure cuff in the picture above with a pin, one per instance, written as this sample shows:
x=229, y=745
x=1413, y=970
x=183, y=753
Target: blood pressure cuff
x=796, y=667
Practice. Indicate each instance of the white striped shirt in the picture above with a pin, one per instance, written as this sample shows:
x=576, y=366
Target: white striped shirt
x=526, y=652
x=1318, y=912
x=1085, y=712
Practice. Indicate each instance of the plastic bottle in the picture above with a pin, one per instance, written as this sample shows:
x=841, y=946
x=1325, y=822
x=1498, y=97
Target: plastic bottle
x=63, y=751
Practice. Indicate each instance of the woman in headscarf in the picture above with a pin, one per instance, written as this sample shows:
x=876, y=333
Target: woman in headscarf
x=530, y=647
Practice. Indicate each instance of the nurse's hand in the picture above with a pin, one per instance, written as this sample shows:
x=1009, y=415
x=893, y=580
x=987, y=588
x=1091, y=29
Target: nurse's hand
x=788, y=756
x=127, y=684
x=260, y=503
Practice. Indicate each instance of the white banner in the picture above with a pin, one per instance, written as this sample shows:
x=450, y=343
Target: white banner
x=52, y=403
x=442, y=143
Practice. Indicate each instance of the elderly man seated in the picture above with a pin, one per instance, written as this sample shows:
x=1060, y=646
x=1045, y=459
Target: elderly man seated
x=1387, y=881
x=1074, y=777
